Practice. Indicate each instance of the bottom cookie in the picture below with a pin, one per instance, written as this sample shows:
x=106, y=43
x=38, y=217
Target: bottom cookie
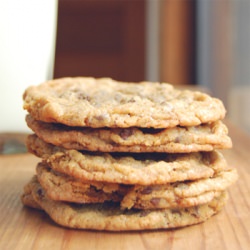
x=108, y=215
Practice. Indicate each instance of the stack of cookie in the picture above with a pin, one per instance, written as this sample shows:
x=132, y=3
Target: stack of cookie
x=126, y=156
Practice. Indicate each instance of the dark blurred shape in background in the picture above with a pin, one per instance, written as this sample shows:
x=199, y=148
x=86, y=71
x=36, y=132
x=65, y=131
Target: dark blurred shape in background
x=184, y=42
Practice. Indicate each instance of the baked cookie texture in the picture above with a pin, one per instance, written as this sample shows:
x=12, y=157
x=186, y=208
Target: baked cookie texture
x=205, y=137
x=86, y=101
x=121, y=156
x=61, y=187
x=143, y=169
x=109, y=216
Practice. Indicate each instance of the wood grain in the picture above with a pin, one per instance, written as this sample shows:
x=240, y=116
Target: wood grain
x=24, y=228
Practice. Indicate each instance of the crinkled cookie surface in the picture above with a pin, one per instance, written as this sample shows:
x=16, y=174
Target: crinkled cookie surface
x=86, y=101
x=205, y=137
x=109, y=216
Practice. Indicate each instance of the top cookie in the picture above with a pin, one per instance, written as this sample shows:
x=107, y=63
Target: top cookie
x=85, y=101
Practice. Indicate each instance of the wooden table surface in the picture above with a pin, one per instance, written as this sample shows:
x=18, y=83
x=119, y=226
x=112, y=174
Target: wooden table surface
x=25, y=228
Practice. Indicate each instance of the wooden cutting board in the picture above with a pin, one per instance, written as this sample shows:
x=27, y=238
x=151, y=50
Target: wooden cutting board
x=25, y=228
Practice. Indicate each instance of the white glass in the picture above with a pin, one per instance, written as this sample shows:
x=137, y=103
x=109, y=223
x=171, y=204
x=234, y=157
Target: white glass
x=27, y=48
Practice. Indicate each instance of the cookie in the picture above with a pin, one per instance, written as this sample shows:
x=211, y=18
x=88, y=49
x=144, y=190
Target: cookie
x=26, y=197
x=141, y=169
x=109, y=216
x=83, y=101
x=65, y=188
x=173, y=195
x=204, y=137
x=40, y=148
x=180, y=194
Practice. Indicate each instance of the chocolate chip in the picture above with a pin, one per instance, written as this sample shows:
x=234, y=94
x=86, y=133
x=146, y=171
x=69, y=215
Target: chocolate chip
x=155, y=201
x=177, y=139
x=144, y=213
x=147, y=190
x=176, y=211
x=40, y=192
x=82, y=96
x=126, y=133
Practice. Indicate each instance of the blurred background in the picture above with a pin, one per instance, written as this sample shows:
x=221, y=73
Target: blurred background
x=184, y=42
x=194, y=43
